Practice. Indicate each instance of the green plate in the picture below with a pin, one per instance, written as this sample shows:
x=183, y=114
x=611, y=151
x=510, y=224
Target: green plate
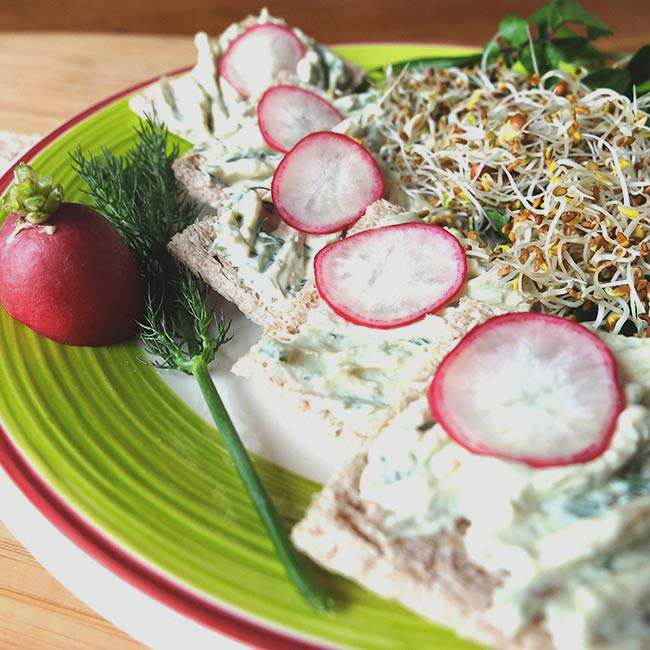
x=111, y=455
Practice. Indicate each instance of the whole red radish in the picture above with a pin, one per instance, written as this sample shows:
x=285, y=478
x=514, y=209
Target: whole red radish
x=65, y=272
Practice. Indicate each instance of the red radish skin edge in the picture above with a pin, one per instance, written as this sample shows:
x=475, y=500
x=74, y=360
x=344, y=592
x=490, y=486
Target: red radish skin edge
x=296, y=223
x=441, y=413
x=52, y=285
x=445, y=299
x=268, y=138
x=222, y=68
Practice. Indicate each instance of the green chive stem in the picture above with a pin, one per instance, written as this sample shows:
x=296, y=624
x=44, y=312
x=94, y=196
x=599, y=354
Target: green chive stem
x=293, y=563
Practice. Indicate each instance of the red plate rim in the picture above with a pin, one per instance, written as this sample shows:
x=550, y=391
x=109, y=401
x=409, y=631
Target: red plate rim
x=89, y=538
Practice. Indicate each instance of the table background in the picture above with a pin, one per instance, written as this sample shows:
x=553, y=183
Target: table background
x=56, y=68
x=329, y=21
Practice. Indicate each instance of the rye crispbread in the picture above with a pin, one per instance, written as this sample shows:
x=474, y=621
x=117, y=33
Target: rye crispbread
x=189, y=173
x=13, y=144
x=337, y=421
x=429, y=574
x=192, y=247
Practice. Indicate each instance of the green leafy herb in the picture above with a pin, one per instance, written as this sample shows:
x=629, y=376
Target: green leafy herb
x=643, y=89
x=376, y=75
x=139, y=195
x=556, y=13
x=639, y=66
x=514, y=30
x=498, y=220
x=578, y=51
x=549, y=38
x=614, y=78
x=439, y=62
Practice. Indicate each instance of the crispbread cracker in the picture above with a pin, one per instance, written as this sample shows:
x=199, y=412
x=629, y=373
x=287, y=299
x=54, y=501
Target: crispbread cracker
x=13, y=144
x=189, y=174
x=192, y=247
x=431, y=574
x=459, y=321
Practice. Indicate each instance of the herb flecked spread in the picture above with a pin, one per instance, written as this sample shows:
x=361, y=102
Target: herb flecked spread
x=567, y=541
x=271, y=258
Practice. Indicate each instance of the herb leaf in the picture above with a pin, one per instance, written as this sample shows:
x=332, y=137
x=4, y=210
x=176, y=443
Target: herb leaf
x=539, y=63
x=615, y=78
x=438, y=62
x=497, y=219
x=139, y=195
x=514, y=30
x=546, y=20
x=545, y=41
x=639, y=66
x=577, y=50
x=643, y=88
x=557, y=12
x=572, y=12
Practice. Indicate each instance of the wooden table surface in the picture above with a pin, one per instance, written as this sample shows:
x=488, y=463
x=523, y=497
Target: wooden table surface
x=46, y=78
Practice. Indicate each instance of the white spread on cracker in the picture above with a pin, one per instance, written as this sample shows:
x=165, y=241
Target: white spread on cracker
x=201, y=105
x=364, y=371
x=360, y=373
x=570, y=543
x=271, y=258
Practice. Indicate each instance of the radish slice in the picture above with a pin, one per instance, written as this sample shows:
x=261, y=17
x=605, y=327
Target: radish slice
x=532, y=388
x=391, y=276
x=287, y=114
x=256, y=56
x=325, y=183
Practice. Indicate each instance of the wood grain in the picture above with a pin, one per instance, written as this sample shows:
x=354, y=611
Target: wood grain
x=37, y=613
x=330, y=21
x=51, y=77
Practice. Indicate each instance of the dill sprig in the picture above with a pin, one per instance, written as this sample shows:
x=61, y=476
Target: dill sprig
x=139, y=195
x=175, y=336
